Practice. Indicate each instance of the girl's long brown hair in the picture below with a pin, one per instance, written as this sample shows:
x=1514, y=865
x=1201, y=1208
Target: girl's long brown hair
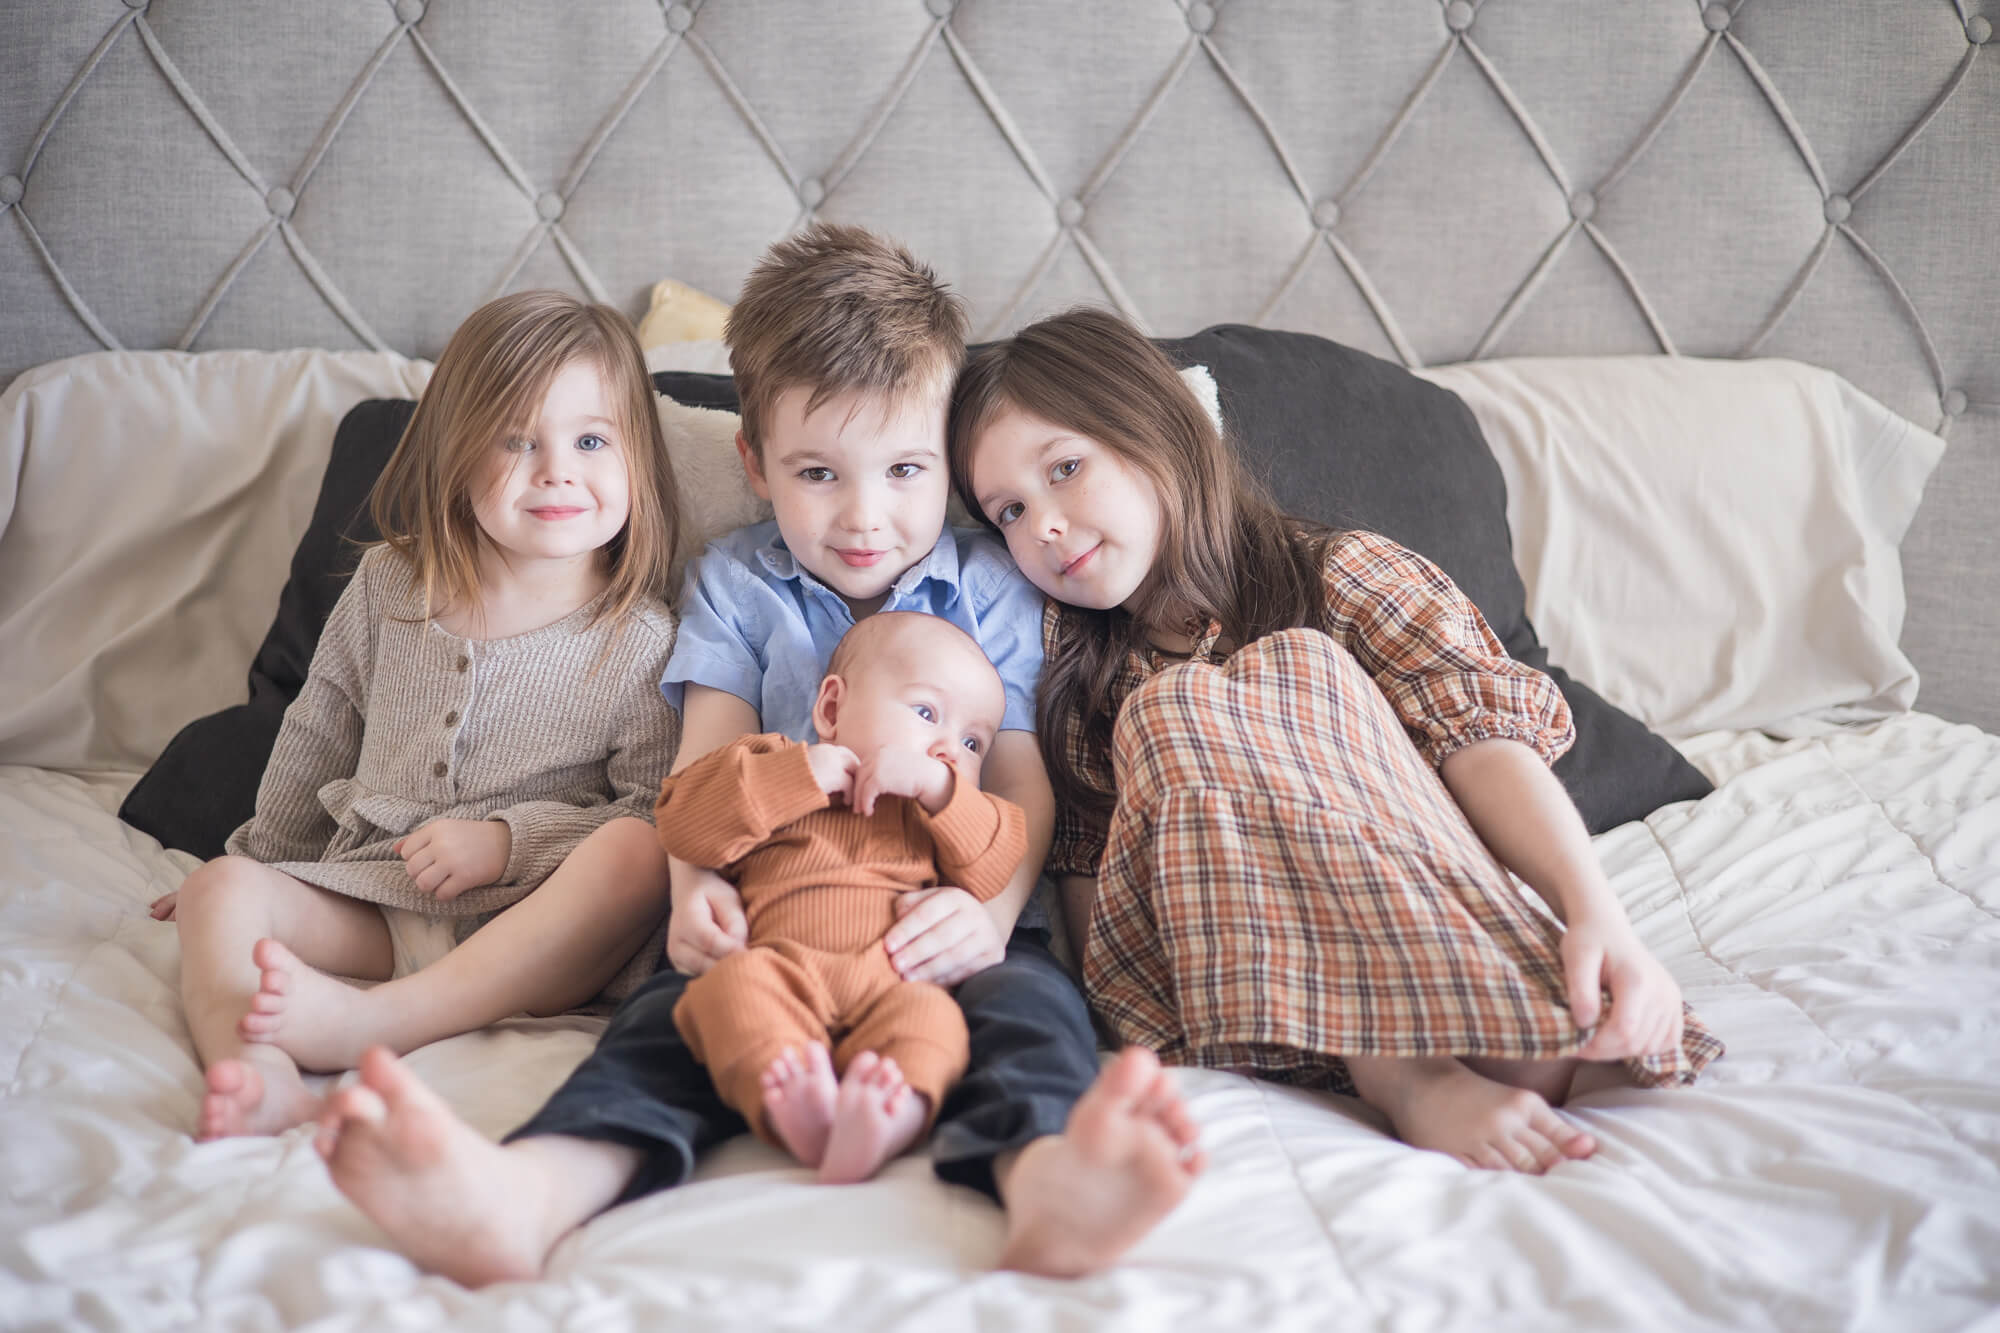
x=488, y=385
x=1228, y=553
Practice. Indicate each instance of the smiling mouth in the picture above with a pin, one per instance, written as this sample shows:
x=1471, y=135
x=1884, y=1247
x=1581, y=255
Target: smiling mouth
x=1072, y=566
x=553, y=513
x=860, y=559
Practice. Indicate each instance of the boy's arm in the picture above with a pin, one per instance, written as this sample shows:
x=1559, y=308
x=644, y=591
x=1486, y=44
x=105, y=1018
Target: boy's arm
x=706, y=923
x=1014, y=771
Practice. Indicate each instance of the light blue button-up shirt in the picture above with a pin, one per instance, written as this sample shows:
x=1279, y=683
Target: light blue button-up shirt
x=754, y=622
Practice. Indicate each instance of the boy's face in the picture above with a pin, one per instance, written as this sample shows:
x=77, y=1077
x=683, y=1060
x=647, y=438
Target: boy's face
x=924, y=689
x=859, y=486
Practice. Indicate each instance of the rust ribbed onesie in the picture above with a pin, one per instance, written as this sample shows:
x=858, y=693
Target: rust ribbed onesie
x=819, y=887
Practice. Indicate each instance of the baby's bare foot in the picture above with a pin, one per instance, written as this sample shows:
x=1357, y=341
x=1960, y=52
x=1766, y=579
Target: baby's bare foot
x=1446, y=1107
x=253, y=1095
x=799, y=1093
x=875, y=1116
x=450, y=1198
x=305, y=1013
x=1078, y=1200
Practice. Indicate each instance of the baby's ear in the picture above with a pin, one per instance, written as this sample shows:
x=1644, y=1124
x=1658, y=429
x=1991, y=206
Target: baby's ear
x=753, y=467
x=826, y=707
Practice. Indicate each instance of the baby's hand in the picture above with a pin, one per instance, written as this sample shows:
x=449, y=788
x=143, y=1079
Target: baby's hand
x=833, y=769
x=895, y=771
x=706, y=924
x=448, y=856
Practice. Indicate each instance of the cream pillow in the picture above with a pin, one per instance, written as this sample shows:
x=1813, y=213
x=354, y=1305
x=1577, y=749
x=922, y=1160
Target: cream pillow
x=679, y=313
x=1711, y=544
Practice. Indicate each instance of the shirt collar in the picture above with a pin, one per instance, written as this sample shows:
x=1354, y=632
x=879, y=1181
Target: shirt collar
x=941, y=565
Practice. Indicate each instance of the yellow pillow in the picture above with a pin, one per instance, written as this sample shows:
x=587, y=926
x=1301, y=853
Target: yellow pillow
x=679, y=313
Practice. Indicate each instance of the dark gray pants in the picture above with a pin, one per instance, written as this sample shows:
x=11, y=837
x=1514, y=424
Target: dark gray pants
x=1033, y=1054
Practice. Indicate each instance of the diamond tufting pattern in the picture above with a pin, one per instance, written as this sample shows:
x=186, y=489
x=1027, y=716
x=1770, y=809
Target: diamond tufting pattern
x=1432, y=180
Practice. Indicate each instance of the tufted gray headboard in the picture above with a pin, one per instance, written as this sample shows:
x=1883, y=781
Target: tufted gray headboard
x=1431, y=180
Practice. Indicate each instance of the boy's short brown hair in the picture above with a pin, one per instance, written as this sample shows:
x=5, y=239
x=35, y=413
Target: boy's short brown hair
x=837, y=309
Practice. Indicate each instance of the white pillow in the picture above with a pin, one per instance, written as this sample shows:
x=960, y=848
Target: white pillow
x=1710, y=544
x=148, y=510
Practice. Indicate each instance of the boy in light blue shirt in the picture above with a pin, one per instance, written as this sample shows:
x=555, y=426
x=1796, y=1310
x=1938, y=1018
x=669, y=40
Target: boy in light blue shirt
x=844, y=350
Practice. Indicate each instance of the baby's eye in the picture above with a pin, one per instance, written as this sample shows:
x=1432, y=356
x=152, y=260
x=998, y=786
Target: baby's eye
x=1067, y=468
x=971, y=743
x=590, y=444
x=904, y=471
x=1007, y=513
x=925, y=711
x=816, y=474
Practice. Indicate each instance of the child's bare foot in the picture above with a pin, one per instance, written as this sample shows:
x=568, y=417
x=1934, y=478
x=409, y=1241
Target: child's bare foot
x=1447, y=1107
x=1078, y=1200
x=305, y=1013
x=450, y=1198
x=164, y=906
x=875, y=1116
x=799, y=1092
x=253, y=1096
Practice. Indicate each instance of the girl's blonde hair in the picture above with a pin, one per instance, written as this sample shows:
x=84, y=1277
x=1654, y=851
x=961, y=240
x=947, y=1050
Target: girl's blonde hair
x=488, y=386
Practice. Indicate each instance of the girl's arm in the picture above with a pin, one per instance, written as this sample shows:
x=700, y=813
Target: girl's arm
x=1520, y=810
x=1078, y=893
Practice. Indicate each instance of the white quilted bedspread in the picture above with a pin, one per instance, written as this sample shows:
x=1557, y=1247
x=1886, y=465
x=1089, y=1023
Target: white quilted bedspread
x=1831, y=910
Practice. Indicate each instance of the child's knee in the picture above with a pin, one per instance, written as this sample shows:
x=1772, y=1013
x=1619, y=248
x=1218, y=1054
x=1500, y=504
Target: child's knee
x=226, y=886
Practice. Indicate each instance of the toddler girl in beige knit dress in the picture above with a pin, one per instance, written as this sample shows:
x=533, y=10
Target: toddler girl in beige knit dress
x=458, y=805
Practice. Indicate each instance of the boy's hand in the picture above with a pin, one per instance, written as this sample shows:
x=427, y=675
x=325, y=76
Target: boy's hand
x=833, y=769
x=707, y=923
x=448, y=856
x=942, y=935
x=894, y=771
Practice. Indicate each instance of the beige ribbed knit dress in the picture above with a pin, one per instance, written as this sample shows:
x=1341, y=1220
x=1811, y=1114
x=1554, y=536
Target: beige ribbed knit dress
x=556, y=732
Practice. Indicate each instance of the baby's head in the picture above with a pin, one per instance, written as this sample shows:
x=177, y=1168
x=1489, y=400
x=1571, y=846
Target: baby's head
x=844, y=348
x=914, y=681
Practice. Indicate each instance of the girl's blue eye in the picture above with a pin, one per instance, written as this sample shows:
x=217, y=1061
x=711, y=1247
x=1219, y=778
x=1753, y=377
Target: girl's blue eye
x=925, y=711
x=904, y=471
x=1008, y=513
x=971, y=743
x=590, y=444
x=816, y=474
x=1065, y=469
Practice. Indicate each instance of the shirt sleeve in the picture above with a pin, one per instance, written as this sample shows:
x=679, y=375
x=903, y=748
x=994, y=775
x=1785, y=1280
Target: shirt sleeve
x=319, y=740
x=645, y=737
x=1009, y=611
x=1433, y=655
x=730, y=802
x=979, y=839
x=714, y=647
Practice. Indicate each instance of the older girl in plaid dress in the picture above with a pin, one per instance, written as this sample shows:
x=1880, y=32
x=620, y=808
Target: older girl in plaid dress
x=1293, y=768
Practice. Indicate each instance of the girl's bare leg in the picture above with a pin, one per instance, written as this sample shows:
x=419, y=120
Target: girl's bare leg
x=449, y=1197
x=550, y=952
x=223, y=909
x=1445, y=1105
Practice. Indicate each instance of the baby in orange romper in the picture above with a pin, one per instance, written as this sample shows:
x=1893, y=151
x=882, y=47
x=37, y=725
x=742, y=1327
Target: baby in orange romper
x=819, y=840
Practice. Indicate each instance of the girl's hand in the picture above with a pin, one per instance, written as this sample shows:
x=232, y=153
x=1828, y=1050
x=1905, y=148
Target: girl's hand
x=942, y=935
x=706, y=924
x=895, y=771
x=448, y=856
x=1601, y=954
x=163, y=906
x=833, y=769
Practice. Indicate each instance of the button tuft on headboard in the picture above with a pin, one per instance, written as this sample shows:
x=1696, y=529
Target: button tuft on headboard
x=1716, y=16
x=11, y=190
x=811, y=192
x=1326, y=215
x=1070, y=211
x=1954, y=402
x=280, y=201
x=1201, y=17
x=1458, y=15
x=549, y=205
x=1583, y=205
x=1838, y=208
x=410, y=11
x=941, y=8
x=679, y=18
x=1979, y=30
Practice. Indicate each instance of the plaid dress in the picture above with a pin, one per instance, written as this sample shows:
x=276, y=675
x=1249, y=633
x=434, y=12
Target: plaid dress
x=1286, y=879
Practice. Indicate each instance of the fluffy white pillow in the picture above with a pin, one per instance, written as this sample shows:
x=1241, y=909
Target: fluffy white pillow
x=1711, y=544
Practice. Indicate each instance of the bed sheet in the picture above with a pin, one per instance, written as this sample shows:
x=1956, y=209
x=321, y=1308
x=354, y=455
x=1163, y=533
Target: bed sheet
x=1831, y=909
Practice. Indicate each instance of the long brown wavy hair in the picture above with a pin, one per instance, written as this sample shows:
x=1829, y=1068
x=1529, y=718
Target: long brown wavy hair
x=1228, y=553
x=489, y=384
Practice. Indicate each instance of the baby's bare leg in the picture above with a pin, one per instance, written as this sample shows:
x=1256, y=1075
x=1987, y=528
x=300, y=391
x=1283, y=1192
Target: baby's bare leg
x=550, y=952
x=449, y=1197
x=224, y=909
x=1443, y=1104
